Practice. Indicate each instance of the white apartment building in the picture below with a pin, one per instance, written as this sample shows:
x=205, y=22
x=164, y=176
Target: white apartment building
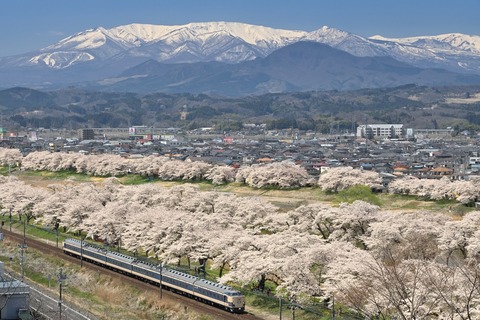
x=380, y=131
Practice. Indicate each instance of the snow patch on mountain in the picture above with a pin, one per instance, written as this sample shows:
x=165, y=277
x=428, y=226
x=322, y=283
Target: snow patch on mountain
x=201, y=32
x=60, y=59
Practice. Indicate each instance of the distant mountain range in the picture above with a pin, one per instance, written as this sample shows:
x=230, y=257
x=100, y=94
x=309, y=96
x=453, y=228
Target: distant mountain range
x=240, y=59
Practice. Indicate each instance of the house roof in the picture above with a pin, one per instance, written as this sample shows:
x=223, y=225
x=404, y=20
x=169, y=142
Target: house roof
x=441, y=169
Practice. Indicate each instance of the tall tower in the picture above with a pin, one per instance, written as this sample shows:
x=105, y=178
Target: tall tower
x=184, y=113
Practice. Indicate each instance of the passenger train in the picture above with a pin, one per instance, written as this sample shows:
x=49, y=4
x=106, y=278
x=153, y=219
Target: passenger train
x=188, y=285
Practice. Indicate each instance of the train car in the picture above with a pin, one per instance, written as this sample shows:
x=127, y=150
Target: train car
x=120, y=262
x=182, y=283
x=219, y=294
x=84, y=250
x=146, y=271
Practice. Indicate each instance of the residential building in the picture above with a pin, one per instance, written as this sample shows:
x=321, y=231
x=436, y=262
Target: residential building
x=392, y=131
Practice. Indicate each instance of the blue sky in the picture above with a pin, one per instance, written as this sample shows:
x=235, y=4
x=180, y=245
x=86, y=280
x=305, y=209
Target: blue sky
x=27, y=25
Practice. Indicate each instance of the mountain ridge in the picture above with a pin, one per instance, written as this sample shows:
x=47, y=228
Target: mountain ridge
x=100, y=54
x=105, y=43
x=301, y=66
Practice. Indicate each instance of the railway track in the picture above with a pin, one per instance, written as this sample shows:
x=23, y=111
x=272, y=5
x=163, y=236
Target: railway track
x=188, y=303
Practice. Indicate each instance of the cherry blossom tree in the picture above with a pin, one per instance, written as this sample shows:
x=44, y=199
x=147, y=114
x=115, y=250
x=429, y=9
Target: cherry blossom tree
x=457, y=288
x=10, y=157
x=464, y=192
x=225, y=247
x=409, y=235
x=148, y=166
x=79, y=202
x=20, y=197
x=108, y=223
x=53, y=205
x=316, y=218
x=460, y=235
x=340, y=178
x=278, y=174
x=384, y=286
x=264, y=257
x=220, y=174
x=49, y=161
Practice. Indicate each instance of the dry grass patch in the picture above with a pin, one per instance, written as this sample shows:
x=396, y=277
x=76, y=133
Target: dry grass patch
x=111, y=294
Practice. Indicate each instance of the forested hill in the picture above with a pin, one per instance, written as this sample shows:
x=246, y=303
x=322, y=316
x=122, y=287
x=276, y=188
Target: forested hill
x=414, y=106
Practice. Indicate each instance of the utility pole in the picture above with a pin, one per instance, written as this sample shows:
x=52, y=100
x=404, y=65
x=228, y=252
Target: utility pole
x=24, y=229
x=61, y=277
x=81, y=250
x=22, y=247
x=161, y=277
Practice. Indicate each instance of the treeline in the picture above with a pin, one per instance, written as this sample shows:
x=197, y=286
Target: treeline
x=282, y=175
x=320, y=111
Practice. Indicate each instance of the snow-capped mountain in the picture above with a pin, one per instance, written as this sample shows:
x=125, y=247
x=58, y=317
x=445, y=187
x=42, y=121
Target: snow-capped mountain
x=236, y=42
x=101, y=53
x=455, y=51
x=446, y=43
x=215, y=41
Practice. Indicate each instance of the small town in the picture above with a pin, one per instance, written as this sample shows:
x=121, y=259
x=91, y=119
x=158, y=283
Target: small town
x=389, y=149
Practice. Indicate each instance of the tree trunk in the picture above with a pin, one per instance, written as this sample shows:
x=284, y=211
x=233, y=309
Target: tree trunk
x=222, y=267
x=261, y=283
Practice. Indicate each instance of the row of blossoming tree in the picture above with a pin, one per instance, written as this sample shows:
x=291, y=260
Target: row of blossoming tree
x=463, y=191
x=384, y=264
x=281, y=174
